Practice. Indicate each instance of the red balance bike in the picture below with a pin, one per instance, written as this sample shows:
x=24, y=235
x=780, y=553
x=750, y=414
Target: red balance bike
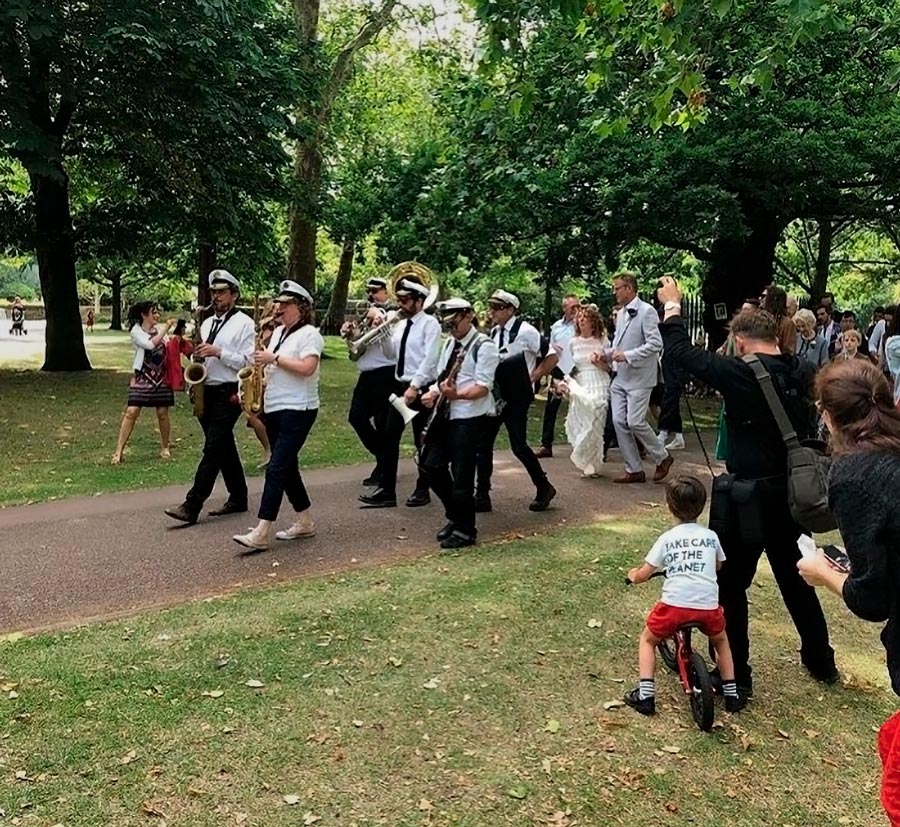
x=676, y=653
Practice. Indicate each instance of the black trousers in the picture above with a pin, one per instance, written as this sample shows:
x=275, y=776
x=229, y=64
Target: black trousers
x=389, y=454
x=369, y=406
x=287, y=431
x=670, y=408
x=449, y=463
x=515, y=417
x=776, y=534
x=220, y=453
x=551, y=410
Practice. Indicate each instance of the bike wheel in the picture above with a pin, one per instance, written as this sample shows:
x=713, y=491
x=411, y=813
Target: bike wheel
x=666, y=649
x=702, y=702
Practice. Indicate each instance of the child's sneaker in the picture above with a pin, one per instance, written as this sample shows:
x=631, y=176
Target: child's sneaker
x=736, y=704
x=646, y=706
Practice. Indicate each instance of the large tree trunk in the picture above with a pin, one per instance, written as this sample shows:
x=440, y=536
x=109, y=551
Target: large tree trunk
x=55, y=248
x=739, y=269
x=206, y=263
x=823, y=260
x=115, y=283
x=304, y=227
x=336, y=309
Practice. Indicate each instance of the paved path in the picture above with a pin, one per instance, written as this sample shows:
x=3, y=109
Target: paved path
x=75, y=560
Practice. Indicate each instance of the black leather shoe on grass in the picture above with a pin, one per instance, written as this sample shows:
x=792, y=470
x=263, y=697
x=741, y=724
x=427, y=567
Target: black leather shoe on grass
x=457, y=540
x=543, y=497
x=445, y=532
x=646, y=706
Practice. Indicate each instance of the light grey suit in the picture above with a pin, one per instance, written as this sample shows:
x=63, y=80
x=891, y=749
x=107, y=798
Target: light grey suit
x=637, y=334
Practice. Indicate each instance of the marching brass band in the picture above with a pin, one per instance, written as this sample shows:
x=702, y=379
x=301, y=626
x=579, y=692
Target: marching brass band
x=446, y=391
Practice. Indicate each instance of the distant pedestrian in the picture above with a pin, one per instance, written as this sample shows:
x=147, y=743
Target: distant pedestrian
x=89, y=322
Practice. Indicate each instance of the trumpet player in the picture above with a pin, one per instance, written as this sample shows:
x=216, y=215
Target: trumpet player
x=226, y=346
x=369, y=406
x=291, y=403
x=416, y=342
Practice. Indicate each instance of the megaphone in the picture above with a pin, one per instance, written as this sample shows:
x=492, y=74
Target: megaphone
x=402, y=408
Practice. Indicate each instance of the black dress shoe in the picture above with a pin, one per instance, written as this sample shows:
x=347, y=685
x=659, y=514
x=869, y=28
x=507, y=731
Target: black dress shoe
x=379, y=499
x=445, y=532
x=542, y=499
x=483, y=504
x=457, y=540
x=228, y=508
x=182, y=513
x=374, y=479
x=418, y=498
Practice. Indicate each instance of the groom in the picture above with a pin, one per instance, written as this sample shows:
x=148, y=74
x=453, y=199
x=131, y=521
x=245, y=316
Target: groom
x=635, y=352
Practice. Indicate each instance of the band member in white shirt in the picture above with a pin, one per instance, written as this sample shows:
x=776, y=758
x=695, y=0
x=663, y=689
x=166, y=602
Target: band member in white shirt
x=227, y=346
x=520, y=346
x=462, y=394
x=416, y=342
x=561, y=331
x=369, y=406
x=291, y=403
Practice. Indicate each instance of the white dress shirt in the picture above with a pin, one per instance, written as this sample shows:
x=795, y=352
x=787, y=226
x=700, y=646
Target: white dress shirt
x=477, y=369
x=876, y=338
x=236, y=337
x=377, y=355
x=561, y=333
x=286, y=390
x=528, y=342
x=423, y=347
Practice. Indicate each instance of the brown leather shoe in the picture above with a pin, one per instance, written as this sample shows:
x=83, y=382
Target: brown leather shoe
x=544, y=452
x=631, y=476
x=662, y=470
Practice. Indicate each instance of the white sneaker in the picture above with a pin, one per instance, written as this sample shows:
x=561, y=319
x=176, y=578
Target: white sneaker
x=677, y=443
x=255, y=539
x=663, y=437
x=304, y=527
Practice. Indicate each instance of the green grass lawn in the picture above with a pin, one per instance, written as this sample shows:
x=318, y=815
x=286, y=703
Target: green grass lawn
x=456, y=690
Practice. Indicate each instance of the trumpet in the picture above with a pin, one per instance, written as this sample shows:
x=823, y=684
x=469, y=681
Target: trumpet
x=195, y=372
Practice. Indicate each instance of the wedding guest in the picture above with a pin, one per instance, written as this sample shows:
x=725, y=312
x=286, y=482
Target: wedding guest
x=774, y=301
x=810, y=345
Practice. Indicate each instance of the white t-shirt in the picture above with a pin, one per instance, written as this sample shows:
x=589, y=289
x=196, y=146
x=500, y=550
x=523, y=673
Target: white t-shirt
x=688, y=553
x=285, y=390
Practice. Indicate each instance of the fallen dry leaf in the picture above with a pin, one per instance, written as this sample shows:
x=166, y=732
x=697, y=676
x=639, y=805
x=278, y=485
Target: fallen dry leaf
x=215, y=693
x=309, y=818
x=593, y=623
x=255, y=684
x=151, y=809
x=431, y=683
x=552, y=726
x=425, y=805
x=672, y=750
x=291, y=800
x=398, y=662
x=128, y=757
x=613, y=704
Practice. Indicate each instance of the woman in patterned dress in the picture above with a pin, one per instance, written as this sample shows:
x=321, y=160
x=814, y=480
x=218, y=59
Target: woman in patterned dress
x=588, y=391
x=149, y=386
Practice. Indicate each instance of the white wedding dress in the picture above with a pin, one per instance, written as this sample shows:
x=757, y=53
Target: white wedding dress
x=588, y=402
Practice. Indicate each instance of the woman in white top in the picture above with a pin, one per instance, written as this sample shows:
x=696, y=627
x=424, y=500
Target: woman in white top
x=588, y=391
x=291, y=404
x=149, y=386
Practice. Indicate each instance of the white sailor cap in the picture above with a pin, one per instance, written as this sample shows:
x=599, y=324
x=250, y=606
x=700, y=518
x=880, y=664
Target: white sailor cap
x=453, y=306
x=503, y=297
x=408, y=287
x=291, y=291
x=376, y=283
x=223, y=280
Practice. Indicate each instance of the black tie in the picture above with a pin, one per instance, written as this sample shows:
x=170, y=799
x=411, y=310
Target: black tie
x=502, y=337
x=401, y=361
x=214, y=330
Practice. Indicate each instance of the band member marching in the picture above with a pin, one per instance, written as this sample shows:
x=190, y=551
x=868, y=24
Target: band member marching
x=416, y=342
x=369, y=406
x=226, y=346
x=291, y=404
x=520, y=345
x=461, y=405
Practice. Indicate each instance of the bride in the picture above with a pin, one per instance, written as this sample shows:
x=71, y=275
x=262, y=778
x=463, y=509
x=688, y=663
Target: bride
x=588, y=391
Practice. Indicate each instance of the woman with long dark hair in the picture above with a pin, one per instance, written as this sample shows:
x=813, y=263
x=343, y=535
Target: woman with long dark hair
x=857, y=407
x=149, y=386
x=774, y=300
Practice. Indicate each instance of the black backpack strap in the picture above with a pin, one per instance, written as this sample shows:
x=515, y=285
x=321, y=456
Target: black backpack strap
x=514, y=331
x=480, y=339
x=788, y=432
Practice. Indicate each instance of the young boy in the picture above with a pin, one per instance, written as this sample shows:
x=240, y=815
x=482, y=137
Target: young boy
x=690, y=554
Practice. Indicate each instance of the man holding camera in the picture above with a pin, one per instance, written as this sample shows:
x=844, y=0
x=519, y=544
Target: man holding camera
x=749, y=507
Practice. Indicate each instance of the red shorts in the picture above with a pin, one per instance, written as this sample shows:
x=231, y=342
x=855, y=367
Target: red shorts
x=889, y=749
x=664, y=620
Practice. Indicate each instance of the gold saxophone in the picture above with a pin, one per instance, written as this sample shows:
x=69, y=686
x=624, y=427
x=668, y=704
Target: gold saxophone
x=251, y=379
x=195, y=372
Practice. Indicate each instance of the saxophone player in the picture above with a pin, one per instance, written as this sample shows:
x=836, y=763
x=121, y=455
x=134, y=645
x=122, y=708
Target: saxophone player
x=226, y=346
x=462, y=393
x=291, y=403
x=369, y=406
